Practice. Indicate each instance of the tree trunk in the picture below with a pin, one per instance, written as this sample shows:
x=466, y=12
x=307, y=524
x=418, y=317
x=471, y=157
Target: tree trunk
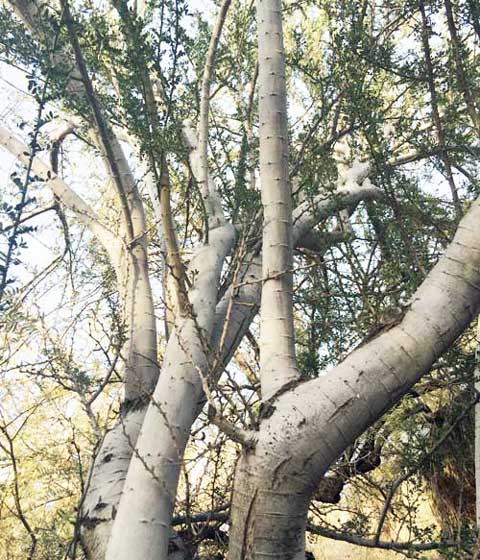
x=277, y=341
x=142, y=524
x=268, y=517
x=106, y=482
x=311, y=425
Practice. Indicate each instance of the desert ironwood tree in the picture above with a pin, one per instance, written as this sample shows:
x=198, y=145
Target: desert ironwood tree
x=223, y=202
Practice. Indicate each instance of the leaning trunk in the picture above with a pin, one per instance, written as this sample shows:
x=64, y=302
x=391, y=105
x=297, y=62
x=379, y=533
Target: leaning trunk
x=107, y=476
x=106, y=482
x=309, y=426
x=142, y=524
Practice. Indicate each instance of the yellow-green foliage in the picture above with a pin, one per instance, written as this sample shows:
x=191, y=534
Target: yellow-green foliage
x=45, y=447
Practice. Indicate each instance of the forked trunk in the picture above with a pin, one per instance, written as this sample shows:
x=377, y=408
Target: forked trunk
x=309, y=426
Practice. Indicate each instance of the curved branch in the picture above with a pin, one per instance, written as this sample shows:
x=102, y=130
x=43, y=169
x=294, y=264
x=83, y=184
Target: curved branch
x=307, y=215
x=30, y=13
x=311, y=424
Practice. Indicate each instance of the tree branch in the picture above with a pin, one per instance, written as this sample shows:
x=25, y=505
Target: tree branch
x=307, y=214
x=103, y=128
x=371, y=543
x=69, y=198
x=214, y=209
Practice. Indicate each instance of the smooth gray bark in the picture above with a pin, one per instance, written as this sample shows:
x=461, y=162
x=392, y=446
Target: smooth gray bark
x=312, y=424
x=106, y=482
x=142, y=525
x=277, y=344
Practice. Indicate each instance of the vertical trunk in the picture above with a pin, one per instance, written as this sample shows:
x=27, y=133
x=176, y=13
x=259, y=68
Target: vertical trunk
x=268, y=516
x=141, y=366
x=277, y=346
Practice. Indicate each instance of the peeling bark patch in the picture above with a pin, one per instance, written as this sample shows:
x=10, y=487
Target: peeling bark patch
x=266, y=410
x=91, y=522
x=131, y=405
